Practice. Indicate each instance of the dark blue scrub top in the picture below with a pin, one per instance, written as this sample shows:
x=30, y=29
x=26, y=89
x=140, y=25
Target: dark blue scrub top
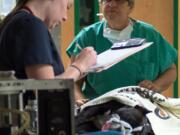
x=25, y=41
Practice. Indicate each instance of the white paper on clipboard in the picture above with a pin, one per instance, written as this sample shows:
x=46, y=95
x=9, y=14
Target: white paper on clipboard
x=111, y=57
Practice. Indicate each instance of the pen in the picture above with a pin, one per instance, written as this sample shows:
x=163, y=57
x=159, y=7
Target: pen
x=78, y=46
x=99, y=14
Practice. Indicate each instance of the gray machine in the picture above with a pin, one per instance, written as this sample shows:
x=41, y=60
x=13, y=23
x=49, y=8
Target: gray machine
x=52, y=113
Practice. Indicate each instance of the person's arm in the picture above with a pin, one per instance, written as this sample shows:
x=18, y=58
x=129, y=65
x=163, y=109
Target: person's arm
x=162, y=82
x=79, y=97
x=78, y=93
x=82, y=63
x=46, y=72
x=167, y=78
x=40, y=71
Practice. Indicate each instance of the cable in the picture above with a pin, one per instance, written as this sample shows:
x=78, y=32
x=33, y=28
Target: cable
x=25, y=116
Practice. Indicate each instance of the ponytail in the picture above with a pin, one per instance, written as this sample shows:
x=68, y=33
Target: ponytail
x=19, y=5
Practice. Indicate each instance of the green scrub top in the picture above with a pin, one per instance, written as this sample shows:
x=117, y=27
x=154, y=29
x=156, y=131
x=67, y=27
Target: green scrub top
x=147, y=64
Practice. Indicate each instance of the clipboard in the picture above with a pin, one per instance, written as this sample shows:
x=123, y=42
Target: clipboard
x=110, y=57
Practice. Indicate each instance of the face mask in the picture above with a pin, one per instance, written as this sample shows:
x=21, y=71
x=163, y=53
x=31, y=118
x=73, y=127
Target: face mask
x=115, y=35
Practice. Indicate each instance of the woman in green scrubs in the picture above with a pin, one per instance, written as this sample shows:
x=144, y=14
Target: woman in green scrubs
x=152, y=68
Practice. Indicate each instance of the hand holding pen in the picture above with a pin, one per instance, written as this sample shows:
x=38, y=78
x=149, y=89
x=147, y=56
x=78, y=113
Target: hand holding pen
x=86, y=58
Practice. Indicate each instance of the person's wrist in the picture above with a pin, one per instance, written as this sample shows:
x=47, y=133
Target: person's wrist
x=77, y=68
x=158, y=88
x=81, y=66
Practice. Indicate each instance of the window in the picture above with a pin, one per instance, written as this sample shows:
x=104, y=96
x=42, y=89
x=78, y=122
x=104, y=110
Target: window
x=5, y=7
x=85, y=13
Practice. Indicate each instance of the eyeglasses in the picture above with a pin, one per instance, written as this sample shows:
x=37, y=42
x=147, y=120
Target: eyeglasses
x=117, y=1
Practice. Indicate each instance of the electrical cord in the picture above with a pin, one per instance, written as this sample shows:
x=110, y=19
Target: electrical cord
x=25, y=116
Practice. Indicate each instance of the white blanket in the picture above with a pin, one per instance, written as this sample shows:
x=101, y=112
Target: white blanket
x=165, y=112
